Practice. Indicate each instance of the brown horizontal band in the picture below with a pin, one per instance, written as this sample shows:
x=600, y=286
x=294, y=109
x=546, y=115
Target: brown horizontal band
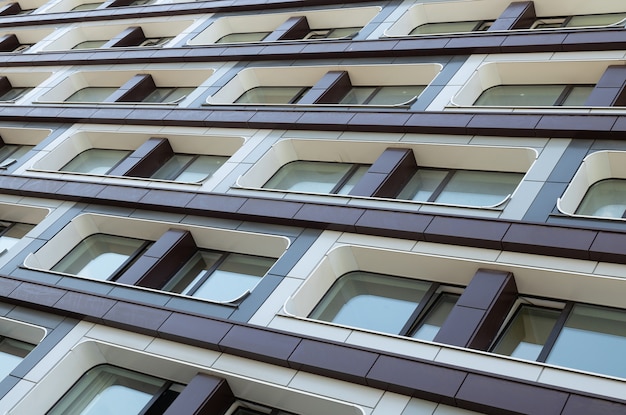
x=172, y=9
x=423, y=379
x=557, y=125
x=440, y=45
x=509, y=235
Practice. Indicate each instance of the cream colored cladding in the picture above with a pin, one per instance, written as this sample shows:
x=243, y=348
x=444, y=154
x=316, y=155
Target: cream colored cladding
x=89, y=345
x=541, y=280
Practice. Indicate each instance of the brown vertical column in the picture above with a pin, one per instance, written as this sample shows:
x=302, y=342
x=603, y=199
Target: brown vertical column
x=131, y=36
x=161, y=261
x=135, y=90
x=204, y=395
x=5, y=85
x=519, y=15
x=10, y=9
x=478, y=315
x=146, y=160
x=610, y=89
x=9, y=43
x=118, y=3
x=294, y=28
x=329, y=90
x=388, y=175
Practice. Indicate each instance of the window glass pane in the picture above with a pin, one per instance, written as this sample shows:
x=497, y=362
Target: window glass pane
x=606, y=198
x=172, y=167
x=233, y=277
x=243, y=37
x=357, y=95
x=95, y=161
x=11, y=354
x=308, y=176
x=156, y=41
x=14, y=233
x=167, y=94
x=11, y=152
x=342, y=32
x=193, y=271
x=98, y=256
x=592, y=339
x=437, y=315
x=596, y=19
x=13, y=94
x=578, y=95
x=422, y=185
x=201, y=168
x=353, y=180
x=548, y=23
x=521, y=95
x=108, y=390
x=91, y=94
x=444, y=27
x=371, y=301
x=86, y=6
x=271, y=95
x=479, y=188
x=527, y=333
x=394, y=95
x=90, y=44
x=189, y=169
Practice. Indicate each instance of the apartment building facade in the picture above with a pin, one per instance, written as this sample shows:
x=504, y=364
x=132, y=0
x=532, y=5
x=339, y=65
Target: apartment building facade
x=304, y=207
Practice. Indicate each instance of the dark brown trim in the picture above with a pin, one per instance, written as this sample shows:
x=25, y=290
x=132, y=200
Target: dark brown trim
x=333, y=86
x=172, y=9
x=388, y=175
x=10, y=9
x=159, y=263
x=424, y=379
x=135, y=89
x=204, y=395
x=563, y=125
x=458, y=44
x=146, y=160
x=131, y=36
x=610, y=89
x=480, y=311
x=518, y=15
x=9, y=43
x=5, y=85
x=295, y=27
x=509, y=235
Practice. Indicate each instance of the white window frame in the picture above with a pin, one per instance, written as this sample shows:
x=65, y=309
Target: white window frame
x=597, y=166
x=464, y=10
x=180, y=78
x=308, y=76
x=64, y=151
x=268, y=22
x=492, y=74
x=152, y=28
x=462, y=157
x=87, y=224
x=175, y=367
